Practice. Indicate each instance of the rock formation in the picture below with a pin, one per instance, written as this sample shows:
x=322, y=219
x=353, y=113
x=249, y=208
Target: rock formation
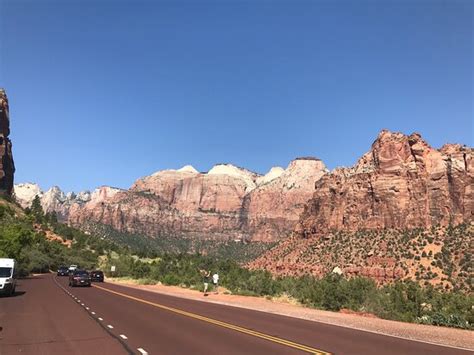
x=274, y=207
x=53, y=200
x=26, y=192
x=7, y=167
x=401, y=183
x=227, y=202
x=372, y=219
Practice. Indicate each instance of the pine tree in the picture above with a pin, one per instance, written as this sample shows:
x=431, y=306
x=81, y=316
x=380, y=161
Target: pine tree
x=37, y=209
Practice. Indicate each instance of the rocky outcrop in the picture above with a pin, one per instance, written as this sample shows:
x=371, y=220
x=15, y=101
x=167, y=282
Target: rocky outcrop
x=387, y=217
x=401, y=183
x=227, y=202
x=7, y=166
x=26, y=192
x=274, y=207
x=53, y=200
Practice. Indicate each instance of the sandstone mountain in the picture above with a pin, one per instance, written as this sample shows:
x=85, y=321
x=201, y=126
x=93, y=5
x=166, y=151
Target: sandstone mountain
x=402, y=182
x=388, y=216
x=53, y=200
x=225, y=203
x=7, y=167
x=275, y=206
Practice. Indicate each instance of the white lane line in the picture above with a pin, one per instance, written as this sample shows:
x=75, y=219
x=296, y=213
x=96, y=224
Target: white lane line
x=123, y=336
x=93, y=312
x=101, y=319
x=82, y=304
x=110, y=326
x=142, y=351
x=87, y=308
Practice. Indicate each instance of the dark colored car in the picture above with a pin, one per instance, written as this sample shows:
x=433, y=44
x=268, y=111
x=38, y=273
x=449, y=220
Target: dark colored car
x=79, y=278
x=63, y=271
x=97, y=276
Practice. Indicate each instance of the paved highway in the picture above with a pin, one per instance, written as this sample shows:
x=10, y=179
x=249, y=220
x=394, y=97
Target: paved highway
x=48, y=317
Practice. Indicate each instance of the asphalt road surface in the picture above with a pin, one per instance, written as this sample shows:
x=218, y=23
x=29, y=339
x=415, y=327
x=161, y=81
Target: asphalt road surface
x=48, y=317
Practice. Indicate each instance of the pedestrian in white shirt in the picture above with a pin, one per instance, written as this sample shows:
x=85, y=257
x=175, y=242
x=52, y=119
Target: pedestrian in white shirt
x=215, y=281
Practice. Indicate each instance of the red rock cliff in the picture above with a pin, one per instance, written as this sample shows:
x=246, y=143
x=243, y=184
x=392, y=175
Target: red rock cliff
x=225, y=203
x=401, y=183
x=7, y=167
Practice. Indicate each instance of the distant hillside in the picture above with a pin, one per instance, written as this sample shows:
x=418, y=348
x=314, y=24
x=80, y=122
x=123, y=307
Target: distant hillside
x=440, y=256
x=238, y=251
x=226, y=203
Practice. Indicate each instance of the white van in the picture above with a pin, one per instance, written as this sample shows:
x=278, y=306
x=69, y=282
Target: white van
x=8, y=276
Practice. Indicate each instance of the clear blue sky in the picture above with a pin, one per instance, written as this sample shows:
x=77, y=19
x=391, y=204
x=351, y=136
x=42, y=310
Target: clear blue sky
x=104, y=92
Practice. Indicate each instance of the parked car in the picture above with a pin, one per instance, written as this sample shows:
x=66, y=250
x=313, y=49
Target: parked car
x=63, y=271
x=79, y=278
x=97, y=276
x=8, y=275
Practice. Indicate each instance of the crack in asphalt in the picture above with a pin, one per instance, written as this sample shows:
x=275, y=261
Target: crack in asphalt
x=57, y=341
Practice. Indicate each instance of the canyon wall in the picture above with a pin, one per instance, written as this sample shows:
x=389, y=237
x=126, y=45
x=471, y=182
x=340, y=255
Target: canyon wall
x=389, y=216
x=7, y=166
x=400, y=183
x=226, y=203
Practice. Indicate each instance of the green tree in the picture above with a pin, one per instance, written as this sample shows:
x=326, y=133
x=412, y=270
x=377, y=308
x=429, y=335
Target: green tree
x=37, y=210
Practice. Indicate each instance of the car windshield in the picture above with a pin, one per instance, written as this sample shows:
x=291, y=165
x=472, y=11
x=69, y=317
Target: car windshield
x=81, y=273
x=97, y=272
x=5, y=272
x=63, y=268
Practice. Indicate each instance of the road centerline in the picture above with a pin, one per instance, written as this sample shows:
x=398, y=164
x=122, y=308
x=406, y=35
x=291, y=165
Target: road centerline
x=240, y=329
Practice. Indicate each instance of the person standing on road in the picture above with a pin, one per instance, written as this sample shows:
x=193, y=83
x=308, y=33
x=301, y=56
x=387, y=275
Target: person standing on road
x=215, y=282
x=206, y=276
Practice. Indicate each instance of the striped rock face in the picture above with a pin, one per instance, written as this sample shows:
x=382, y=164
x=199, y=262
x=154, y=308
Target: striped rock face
x=225, y=203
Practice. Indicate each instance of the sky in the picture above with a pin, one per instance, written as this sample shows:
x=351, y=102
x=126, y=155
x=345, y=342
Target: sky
x=105, y=92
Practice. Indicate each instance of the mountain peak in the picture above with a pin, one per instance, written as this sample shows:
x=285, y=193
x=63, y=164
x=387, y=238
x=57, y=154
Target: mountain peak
x=188, y=169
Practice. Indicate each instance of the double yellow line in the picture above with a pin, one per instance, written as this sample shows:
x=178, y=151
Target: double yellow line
x=254, y=333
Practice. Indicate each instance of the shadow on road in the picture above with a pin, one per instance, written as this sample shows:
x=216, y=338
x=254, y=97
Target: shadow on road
x=16, y=294
x=32, y=277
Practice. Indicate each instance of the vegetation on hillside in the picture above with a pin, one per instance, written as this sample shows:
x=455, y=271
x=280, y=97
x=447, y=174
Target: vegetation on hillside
x=151, y=247
x=440, y=256
x=23, y=237
x=403, y=300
